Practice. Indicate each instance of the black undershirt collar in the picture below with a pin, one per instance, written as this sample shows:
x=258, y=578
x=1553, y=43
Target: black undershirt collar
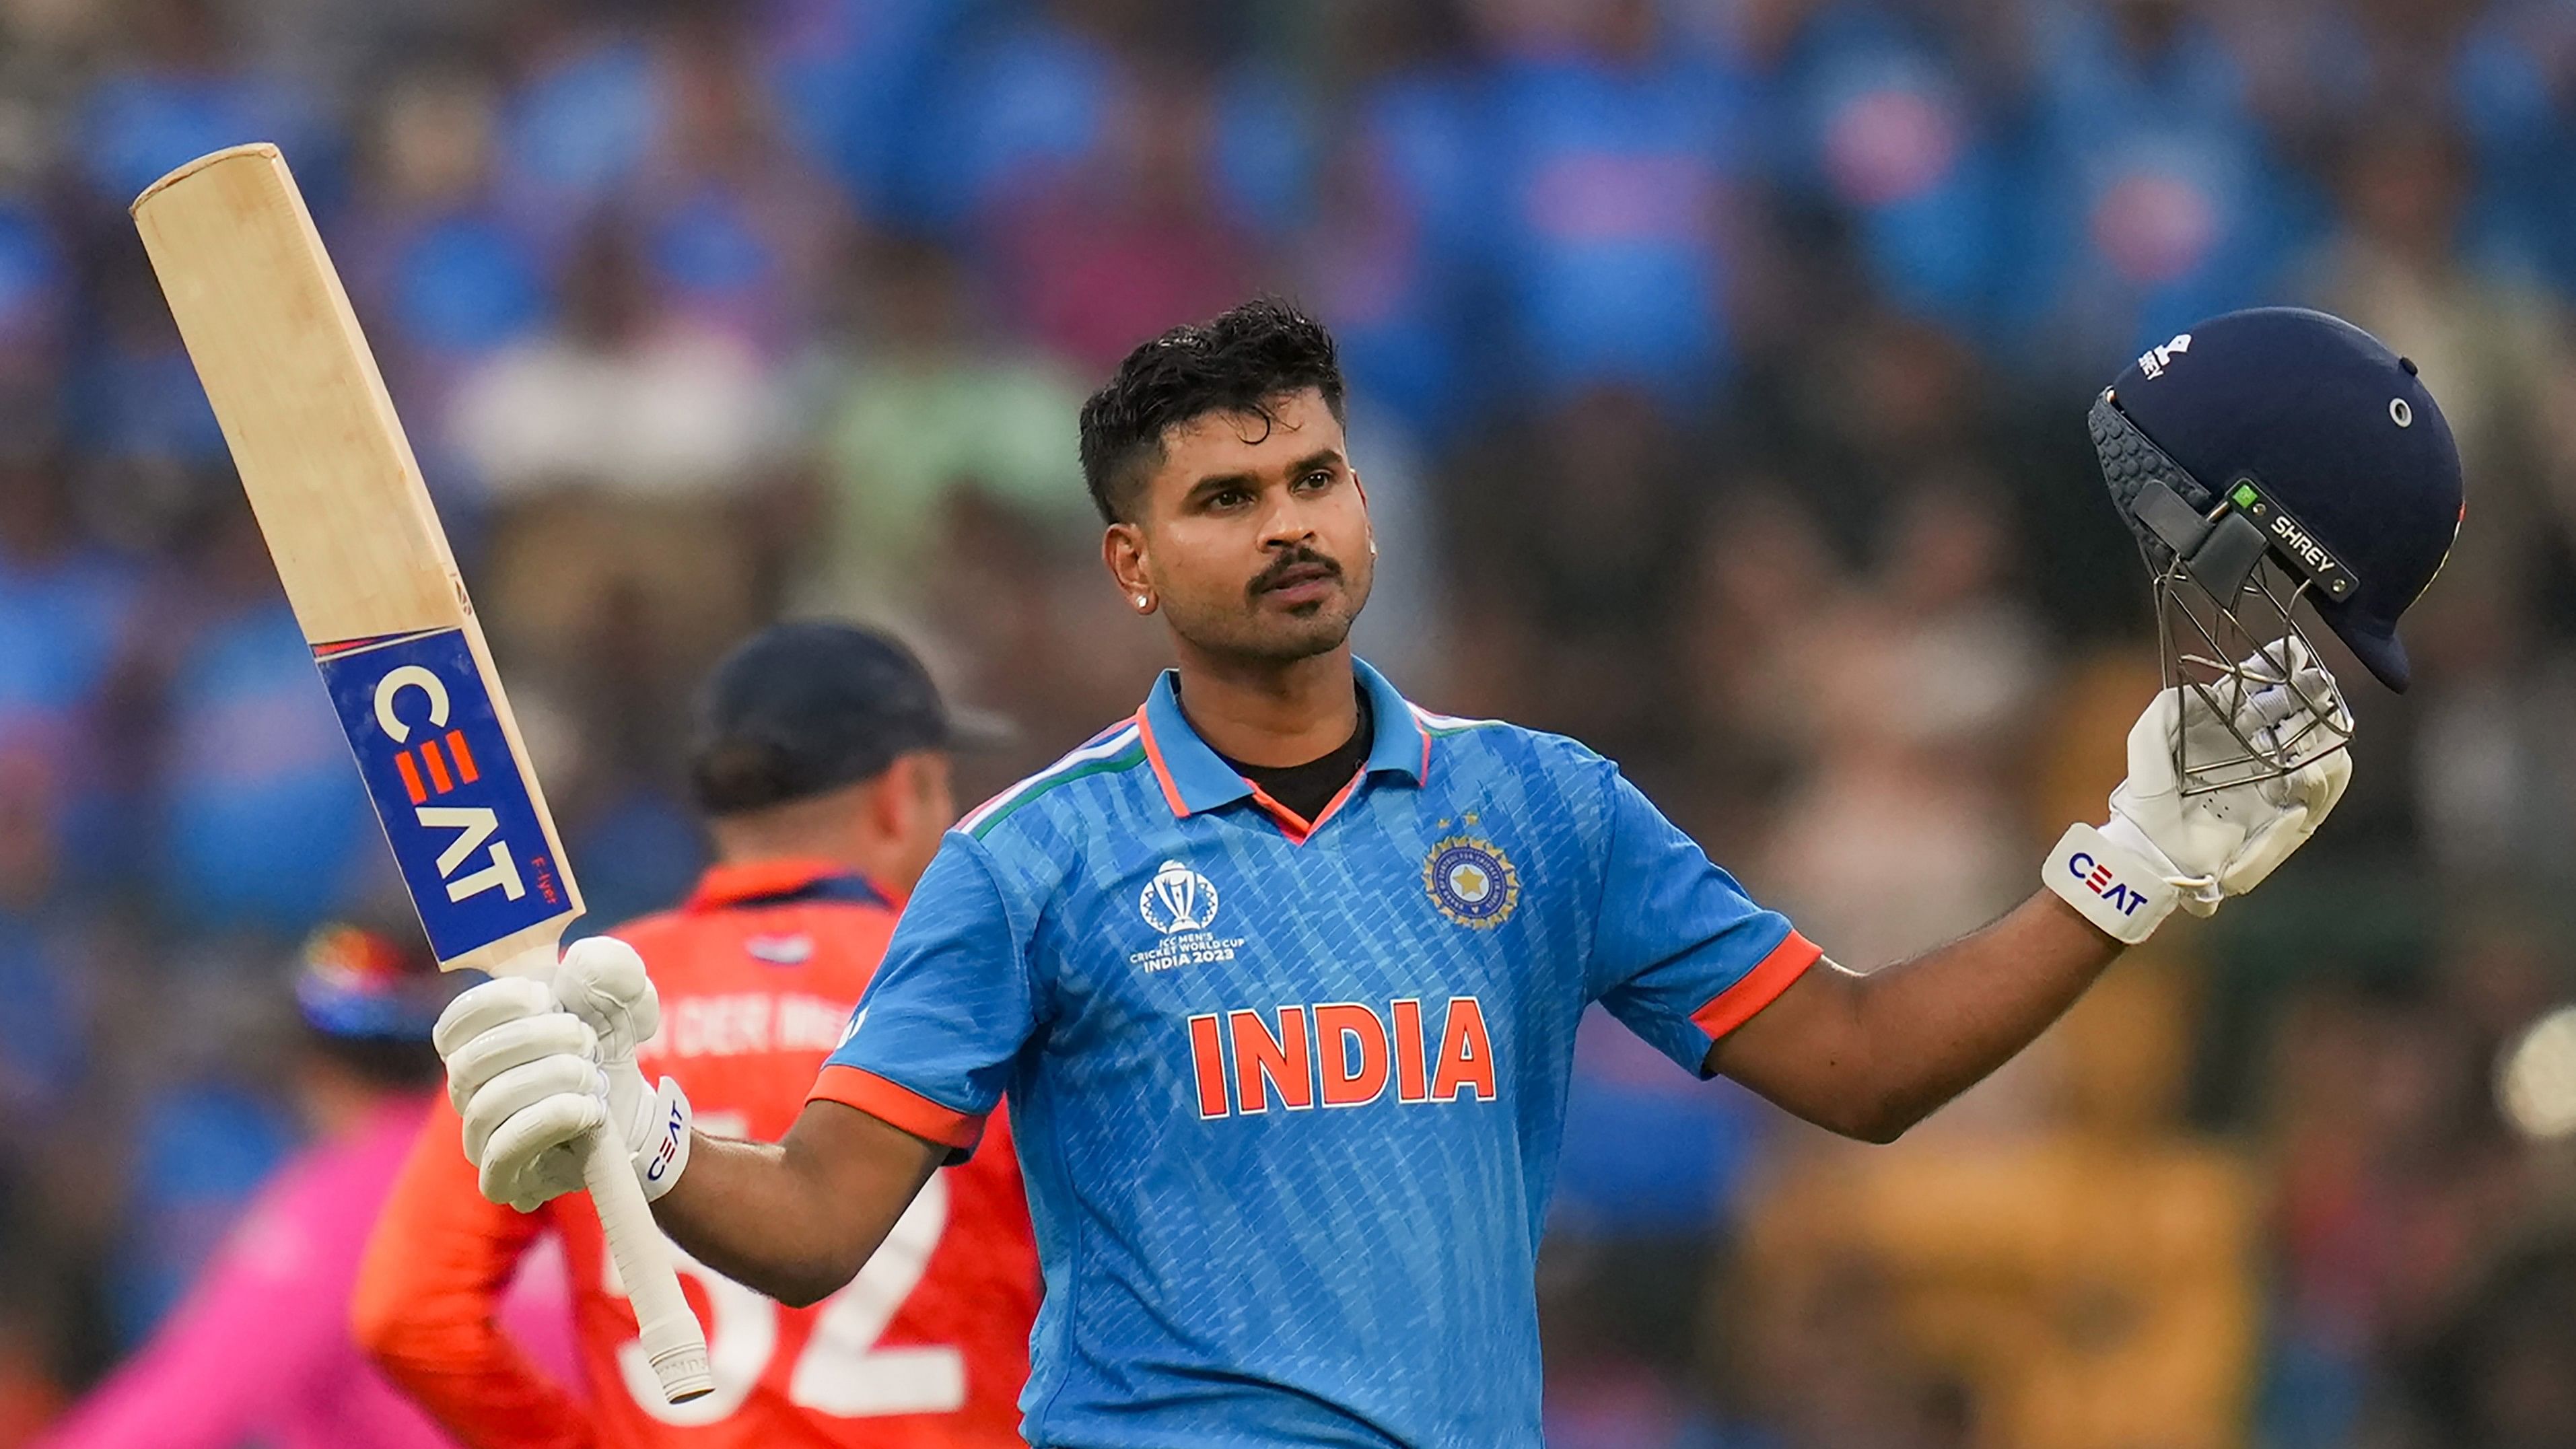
x=1309, y=787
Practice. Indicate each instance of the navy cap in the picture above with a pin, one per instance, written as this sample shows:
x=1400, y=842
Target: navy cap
x=801, y=708
x=2327, y=437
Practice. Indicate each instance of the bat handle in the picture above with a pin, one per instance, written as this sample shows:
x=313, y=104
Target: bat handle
x=672, y=1340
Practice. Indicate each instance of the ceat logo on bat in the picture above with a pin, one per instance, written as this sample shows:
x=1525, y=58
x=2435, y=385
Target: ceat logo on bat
x=444, y=783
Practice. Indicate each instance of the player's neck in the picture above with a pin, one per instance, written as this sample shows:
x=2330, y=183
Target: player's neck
x=833, y=827
x=1265, y=712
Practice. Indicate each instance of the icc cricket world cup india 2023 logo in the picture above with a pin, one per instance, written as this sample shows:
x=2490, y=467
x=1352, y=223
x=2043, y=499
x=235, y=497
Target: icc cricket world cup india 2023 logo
x=1180, y=904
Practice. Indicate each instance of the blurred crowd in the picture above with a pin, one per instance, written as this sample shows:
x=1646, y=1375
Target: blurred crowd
x=1719, y=372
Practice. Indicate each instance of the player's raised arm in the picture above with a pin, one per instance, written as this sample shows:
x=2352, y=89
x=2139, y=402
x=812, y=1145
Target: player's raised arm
x=1871, y=1055
x=2272, y=463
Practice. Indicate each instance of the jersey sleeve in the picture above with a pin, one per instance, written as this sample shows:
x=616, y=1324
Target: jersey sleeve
x=934, y=1037
x=1679, y=952
x=429, y=1295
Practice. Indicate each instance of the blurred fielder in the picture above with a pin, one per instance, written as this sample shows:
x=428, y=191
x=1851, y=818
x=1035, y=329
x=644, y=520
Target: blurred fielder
x=820, y=765
x=1281, y=975
x=260, y=1348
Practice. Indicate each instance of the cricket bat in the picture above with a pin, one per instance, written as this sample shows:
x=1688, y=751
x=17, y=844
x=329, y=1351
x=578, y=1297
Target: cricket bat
x=366, y=566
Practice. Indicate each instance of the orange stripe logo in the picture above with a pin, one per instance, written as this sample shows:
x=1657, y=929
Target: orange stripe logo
x=427, y=769
x=436, y=759
x=465, y=770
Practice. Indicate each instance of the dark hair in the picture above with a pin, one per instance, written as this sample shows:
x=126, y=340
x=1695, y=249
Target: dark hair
x=1236, y=362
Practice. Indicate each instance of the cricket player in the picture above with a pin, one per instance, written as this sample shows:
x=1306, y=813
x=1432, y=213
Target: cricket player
x=260, y=1351
x=820, y=767
x=1281, y=975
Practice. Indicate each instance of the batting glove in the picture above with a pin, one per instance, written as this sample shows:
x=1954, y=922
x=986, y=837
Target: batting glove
x=2161, y=848
x=602, y=981
x=533, y=1073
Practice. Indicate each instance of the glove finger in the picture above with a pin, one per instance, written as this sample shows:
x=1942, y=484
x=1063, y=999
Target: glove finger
x=481, y=1008
x=2265, y=849
x=520, y=1188
x=515, y=1044
x=2309, y=697
x=2151, y=743
x=603, y=980
x=2318, y=786
x=2299, y=725
x=2215, y=721
x=2303, y=739
x=551, y=1174
x=2283, y=657
x=520, y=1088
x=2289, y=685
x=2308, y=692
x=545, y=1177
x=558, y=1121
x=2315, y=789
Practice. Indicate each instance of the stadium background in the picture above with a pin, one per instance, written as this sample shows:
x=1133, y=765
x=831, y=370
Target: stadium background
x=1720, y=368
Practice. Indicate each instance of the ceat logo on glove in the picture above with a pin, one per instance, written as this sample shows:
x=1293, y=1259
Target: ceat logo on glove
x=2111, y=883
x=673, y=1129
x=2098, y=879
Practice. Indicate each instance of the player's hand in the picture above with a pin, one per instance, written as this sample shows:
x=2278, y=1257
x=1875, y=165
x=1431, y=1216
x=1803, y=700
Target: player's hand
x=602, y=980
x=2162, y=848
x=2226, y=841
x=533, y=1075
x=524, y=1074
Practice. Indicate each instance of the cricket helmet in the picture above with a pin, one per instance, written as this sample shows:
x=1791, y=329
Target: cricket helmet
x=2271, y=457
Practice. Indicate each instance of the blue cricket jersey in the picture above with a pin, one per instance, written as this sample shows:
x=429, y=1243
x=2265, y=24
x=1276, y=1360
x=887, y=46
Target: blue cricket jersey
x=1288, y=1096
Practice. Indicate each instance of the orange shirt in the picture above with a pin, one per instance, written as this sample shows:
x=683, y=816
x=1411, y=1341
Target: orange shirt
x=927, y=1349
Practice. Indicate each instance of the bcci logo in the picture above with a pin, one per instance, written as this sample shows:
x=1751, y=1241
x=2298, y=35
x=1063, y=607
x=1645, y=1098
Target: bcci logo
x=1471, y=881
x=1178, y=899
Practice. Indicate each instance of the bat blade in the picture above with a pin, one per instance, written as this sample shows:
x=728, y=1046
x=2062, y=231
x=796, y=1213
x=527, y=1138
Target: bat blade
x=367, y=568
x=472, y=840
x=348, y=518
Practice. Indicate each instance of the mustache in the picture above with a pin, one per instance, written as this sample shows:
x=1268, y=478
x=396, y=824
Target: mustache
x=1300, y=557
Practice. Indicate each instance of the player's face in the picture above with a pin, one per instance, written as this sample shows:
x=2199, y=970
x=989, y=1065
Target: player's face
x=1252, y=537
